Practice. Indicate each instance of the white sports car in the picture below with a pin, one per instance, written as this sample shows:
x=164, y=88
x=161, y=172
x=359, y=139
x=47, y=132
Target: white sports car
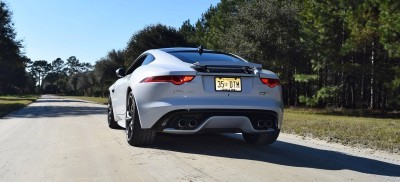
x=194, y=90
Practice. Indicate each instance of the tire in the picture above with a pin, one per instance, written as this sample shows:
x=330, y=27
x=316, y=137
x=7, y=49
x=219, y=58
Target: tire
x=110, y=116
x=135, y=135
x=261, y=139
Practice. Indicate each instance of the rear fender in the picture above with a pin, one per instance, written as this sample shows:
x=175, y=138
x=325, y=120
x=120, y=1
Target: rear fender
x=268, y=74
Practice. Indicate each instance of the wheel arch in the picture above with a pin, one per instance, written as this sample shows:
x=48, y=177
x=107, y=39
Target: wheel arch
x=129, y=90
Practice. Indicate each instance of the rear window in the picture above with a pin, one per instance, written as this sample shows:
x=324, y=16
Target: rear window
x=192, y=57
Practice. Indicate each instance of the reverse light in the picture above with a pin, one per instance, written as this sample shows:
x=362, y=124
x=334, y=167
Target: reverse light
x=271, y=82
x=177, y=79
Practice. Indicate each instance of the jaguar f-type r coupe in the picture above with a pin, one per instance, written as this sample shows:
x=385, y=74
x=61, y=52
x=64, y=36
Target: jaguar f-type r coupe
x=194, y=90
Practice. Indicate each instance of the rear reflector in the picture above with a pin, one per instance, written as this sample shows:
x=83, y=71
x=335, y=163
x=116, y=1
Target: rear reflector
x=271, y=82
x=177, y=80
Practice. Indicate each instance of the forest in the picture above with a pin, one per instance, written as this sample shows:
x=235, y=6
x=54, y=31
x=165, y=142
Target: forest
x=328, y=54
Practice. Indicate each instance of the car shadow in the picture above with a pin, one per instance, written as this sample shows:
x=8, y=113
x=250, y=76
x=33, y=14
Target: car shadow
x=281, y=153
x=60, y=100
x=52, y=110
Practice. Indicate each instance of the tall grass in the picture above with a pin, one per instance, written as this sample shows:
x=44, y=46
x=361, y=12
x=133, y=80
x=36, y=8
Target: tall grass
x=375, y=133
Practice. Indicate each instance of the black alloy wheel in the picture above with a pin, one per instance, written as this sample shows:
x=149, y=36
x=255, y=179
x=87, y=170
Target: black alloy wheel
x=110, y=116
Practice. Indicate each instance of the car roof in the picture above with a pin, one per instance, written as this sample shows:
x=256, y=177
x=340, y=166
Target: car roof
x=177, y=49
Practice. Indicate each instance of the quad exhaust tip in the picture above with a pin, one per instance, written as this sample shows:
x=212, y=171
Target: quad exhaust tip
x=263, y=123
x=192, y=123
x=269, y=123
x=182, y=123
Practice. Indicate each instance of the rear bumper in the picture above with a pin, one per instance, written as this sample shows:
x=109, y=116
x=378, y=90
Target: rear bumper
x=218, y=121
x=231, y=114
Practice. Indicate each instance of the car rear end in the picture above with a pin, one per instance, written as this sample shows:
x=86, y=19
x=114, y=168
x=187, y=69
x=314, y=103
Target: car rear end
x=221, y=93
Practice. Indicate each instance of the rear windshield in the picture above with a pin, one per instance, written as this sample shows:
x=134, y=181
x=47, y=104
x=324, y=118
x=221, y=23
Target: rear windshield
x=192, y=57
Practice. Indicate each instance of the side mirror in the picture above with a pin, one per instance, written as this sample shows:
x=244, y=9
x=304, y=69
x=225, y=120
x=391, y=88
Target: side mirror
x=120, y=72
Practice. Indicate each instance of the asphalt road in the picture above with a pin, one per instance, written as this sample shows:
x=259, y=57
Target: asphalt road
x=56, y=139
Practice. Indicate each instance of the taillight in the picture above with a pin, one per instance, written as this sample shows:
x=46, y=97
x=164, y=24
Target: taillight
x=271, y=82
x=177, y=80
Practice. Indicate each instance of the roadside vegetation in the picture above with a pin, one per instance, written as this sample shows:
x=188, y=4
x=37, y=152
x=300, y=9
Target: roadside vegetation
x=12, y=103
x=375, y=133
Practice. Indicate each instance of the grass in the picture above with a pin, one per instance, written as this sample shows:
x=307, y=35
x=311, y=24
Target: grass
x=375, y=133
x=92, y=99
x=13, y=102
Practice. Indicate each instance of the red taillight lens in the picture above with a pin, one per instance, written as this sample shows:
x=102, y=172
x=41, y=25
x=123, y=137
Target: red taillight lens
x=177, y=80
x=271, y=82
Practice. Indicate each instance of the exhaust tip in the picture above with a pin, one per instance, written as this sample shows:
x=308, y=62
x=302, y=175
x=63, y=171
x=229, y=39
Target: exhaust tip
x=269, y=123
x=182, y=123
x=193, y=123
x=261, y=123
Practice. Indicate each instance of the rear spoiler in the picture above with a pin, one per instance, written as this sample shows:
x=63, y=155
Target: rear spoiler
x=225, y=64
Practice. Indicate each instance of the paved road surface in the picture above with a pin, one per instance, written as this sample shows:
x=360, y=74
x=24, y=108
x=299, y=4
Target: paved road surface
x=56, y=139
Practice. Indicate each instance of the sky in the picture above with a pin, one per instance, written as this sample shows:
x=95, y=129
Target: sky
x=88, y=29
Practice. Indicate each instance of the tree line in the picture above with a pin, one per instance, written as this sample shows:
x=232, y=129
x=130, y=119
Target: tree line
x=13, y=77
x=59, y=77
x=334, y=53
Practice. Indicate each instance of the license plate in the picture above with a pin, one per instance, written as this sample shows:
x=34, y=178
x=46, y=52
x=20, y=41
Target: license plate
x=228, y=84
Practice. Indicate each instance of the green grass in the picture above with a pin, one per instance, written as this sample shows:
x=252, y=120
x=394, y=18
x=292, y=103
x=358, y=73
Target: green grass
x=12, y=102
x=375, y=133
x=92, y=99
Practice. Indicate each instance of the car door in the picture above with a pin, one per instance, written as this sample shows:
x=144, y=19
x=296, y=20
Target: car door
x=121, y=88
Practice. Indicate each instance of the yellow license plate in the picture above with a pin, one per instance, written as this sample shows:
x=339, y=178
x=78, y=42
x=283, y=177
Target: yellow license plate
x=228, y=84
